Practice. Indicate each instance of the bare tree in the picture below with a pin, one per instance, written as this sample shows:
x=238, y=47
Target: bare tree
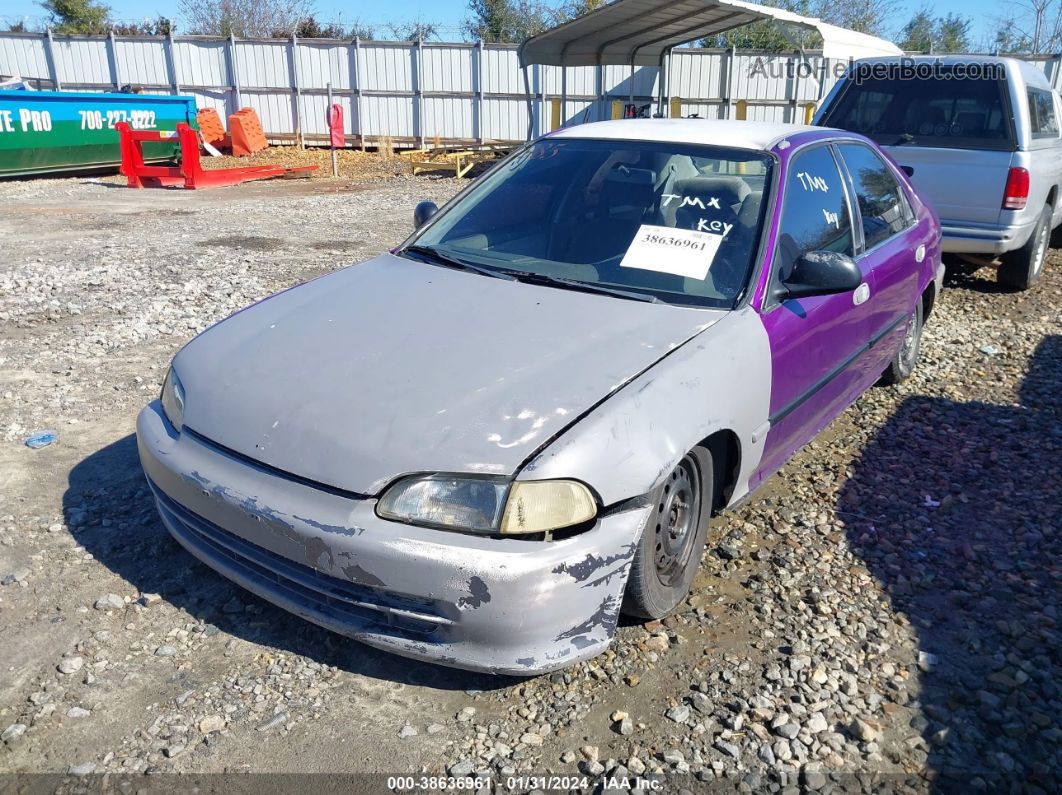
x=245, y=19
x=1030, y=26
x=412, y=30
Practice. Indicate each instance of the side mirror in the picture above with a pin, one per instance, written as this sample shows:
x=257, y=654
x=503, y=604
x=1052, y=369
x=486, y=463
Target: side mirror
x=908, y=170
x=821, y=273
x=423, y=212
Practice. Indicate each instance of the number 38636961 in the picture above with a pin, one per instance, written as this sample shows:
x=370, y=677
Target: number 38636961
x=98, y=119
x=678, y=242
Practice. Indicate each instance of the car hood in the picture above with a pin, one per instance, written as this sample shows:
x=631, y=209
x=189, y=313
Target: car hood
x=394, y=366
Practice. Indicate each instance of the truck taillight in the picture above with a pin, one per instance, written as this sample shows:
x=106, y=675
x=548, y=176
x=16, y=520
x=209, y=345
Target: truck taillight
x=1016, y=194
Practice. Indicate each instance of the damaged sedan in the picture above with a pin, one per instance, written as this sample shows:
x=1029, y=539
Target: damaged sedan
x=480, y=448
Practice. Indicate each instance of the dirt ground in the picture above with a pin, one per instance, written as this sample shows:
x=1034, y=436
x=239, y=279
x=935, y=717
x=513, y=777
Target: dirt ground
x=883, y=616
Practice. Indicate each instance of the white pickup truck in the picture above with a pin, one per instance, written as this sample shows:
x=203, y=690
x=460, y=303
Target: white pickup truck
x=979, y=136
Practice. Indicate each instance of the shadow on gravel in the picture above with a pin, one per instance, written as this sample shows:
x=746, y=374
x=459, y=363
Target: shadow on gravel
x=979, y=280
x=108, y=501
x=959, y=512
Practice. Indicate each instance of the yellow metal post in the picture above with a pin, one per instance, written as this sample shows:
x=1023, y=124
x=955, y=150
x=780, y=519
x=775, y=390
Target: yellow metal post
x=617, y=109
x=741, y=110
x=675, y=111
x=809, y=112
x=554, y=114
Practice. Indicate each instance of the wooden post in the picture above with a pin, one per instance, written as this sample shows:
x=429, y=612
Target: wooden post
x=234, y=72
x=741, y=110
x=478, y=75
x=554, y=114
x=731, y=59
x=335, y=165
x=418, y=48
x=112, y=58
x=171, y=63
x=675, y=111
x=296, y=92
x=617, y=109
x=355, y=80
x=53, y=67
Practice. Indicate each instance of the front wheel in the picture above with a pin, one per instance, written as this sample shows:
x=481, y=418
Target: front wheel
x=1022, y=267
x=670, y=549
x=905, y=359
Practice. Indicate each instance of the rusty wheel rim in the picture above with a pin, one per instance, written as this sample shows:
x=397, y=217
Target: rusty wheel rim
x=676, y=519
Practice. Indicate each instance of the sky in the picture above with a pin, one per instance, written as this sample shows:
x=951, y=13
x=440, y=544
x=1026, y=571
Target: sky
x=448, y=13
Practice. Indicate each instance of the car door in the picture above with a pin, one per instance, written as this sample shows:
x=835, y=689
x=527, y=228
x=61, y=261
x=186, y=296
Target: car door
x=890, y=249
x=815, y=342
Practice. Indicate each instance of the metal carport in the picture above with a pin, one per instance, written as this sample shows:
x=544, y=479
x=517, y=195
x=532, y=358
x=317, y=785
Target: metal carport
x=643, y=33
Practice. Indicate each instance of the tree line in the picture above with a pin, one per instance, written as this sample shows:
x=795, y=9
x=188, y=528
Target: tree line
x=1023, y=26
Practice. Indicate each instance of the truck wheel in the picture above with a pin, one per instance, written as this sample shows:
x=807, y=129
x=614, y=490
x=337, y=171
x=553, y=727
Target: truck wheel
x=1022, y=267
x=905, y=359
x=672, y=542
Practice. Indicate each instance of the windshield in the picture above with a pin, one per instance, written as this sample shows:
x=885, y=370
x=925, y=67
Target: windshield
x=676, y=222
x=946, y=109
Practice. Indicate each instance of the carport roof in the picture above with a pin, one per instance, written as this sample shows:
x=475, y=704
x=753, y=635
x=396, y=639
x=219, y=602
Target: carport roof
x=639, y=32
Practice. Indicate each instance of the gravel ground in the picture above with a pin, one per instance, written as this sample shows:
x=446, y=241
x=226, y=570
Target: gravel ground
x=884, y=616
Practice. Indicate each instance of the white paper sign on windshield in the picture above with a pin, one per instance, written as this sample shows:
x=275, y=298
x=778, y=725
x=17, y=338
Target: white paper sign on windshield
x=681, y=252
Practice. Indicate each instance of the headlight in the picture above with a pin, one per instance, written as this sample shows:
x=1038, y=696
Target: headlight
x=173, y=399
x=450, y=502
x=482, y=505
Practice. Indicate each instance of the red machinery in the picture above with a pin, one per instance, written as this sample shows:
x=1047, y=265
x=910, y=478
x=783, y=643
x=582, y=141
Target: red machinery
x=190, y=172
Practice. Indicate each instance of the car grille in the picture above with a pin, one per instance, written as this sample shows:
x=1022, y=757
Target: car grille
x=362, y=607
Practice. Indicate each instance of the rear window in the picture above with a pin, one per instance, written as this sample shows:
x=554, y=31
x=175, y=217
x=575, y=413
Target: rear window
x=945, y=108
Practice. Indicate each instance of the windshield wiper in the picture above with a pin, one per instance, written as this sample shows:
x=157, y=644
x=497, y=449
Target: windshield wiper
x=587, y=287
x=906, y=138
x=440, y=258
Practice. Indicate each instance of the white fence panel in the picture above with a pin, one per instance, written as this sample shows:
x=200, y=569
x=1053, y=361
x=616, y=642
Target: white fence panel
x=141, y=62
x=319, y=64
x=24, y=56
x=263, y=64
x=417, y=92
x=501, y=71
x=202, y=64
x=386, y=67
x=448, y=69
x=83, y=60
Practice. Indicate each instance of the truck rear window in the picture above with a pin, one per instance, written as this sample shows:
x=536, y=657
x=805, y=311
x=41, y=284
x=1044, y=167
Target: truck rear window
x=960, y=113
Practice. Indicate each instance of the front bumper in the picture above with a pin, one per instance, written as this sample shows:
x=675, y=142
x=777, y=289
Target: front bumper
x=498, y=605
x=984, y=239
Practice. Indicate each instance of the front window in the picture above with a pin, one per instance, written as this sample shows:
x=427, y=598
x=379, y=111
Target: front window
x=676, y=222
x=815, y=210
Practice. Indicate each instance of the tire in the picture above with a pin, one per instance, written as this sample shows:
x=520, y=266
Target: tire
x=903, y=362
x=669, y=552
x=1022, y=267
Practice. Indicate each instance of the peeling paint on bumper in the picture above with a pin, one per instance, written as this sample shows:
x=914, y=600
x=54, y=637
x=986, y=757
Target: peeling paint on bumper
x=497, y=605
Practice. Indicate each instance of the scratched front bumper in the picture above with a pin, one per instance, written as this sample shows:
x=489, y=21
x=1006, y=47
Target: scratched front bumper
x=498, y=605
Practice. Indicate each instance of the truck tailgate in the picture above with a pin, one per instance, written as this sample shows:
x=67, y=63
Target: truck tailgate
x=962, y=185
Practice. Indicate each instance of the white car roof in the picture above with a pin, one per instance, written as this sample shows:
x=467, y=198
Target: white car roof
x=730, y=133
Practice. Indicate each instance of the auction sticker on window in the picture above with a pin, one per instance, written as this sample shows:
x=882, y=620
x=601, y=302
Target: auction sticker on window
x=682, y=252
